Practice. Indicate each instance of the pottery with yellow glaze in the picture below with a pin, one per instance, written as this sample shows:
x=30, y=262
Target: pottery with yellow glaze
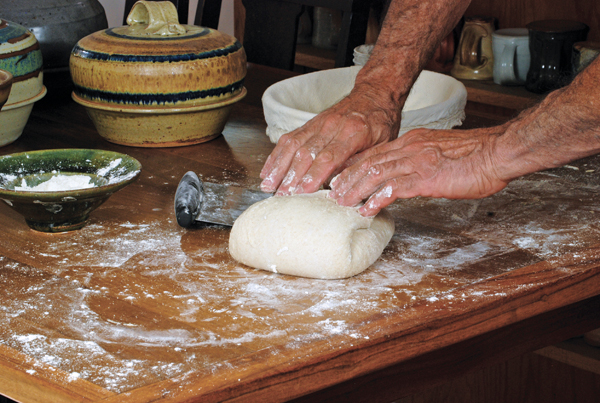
x=474, y=58
x=6, y=80
x=20, y=55
x=158, y=83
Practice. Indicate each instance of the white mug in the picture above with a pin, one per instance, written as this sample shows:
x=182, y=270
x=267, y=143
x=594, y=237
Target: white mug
x=511, y=55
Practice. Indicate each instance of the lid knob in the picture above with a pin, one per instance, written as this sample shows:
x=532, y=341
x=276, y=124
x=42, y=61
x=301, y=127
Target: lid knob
x=154, y=18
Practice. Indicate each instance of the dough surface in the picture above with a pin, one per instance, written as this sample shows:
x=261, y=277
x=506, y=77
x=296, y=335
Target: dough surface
x=309, y=236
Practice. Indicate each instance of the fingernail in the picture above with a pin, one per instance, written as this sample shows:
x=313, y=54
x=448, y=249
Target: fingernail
x=365, y=209
x=333, y=181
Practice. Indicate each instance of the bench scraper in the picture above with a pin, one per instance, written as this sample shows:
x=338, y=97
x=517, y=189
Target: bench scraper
x=197, y=201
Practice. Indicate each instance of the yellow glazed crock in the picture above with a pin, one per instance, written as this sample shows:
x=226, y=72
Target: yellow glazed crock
x=6, y=79
x=155, y=82
x=21, y=56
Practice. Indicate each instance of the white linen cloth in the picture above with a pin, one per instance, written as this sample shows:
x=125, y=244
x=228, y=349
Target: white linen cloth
x=436, y=101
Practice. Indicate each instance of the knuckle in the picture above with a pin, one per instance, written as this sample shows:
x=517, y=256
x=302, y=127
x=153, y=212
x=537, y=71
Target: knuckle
x=303, y=154
x=329, y=123
x=366, y=165
x=354, y=126
x=325, y=156
x=375, y=173
x=291, y=141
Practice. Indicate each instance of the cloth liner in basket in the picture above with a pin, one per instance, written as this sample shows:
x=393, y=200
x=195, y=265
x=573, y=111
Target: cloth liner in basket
x=436, y=101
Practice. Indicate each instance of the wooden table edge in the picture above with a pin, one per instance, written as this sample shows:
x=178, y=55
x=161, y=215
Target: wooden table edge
x=285, y=381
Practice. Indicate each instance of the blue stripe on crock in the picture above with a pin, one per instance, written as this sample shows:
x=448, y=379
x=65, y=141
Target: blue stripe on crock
x=153, y=99
x=111, y=32
x=115, y=57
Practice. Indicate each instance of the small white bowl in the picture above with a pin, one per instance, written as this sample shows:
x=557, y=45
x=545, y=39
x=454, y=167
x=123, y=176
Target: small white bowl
x=14, y=117
x=436, y=101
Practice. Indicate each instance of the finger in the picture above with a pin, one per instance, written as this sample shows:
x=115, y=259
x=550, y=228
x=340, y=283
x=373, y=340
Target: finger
x=322, y=168
x=313, y=137
x=366, y=166
x=349, y=178
x=350, y=140
x=300, y=164
x=358, y=158
x=354, y=160
x=404, y=187
x=389, y=166
x=278, y=163
x=380, y=199
x=304, y=159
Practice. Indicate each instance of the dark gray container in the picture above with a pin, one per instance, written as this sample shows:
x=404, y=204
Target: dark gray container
x=57, y=25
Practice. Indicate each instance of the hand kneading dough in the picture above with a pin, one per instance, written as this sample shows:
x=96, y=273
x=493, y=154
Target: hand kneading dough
x=309, y=236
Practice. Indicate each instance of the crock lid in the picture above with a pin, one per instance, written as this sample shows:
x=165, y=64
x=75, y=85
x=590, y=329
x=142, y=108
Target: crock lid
x=157, y=61
x=20, y=52
x=154, y=34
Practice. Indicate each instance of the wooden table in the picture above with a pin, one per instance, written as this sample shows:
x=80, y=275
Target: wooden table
x=134, y=308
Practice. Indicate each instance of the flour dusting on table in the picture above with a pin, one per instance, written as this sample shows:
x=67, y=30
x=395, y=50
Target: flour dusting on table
x=125, y=303
x=218, y=307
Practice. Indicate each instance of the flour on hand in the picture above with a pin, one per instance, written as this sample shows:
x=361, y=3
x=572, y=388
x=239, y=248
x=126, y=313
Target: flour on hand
x=309, y=235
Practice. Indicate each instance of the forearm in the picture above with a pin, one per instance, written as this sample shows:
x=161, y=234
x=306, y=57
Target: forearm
x=411, y=32
x=565, y=126
x=306, y=157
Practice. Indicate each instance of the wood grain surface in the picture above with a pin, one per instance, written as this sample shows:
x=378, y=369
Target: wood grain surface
x=516, y=14
x=134, y=308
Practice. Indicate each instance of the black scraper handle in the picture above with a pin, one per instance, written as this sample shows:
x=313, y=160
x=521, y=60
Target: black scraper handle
x=188, y=199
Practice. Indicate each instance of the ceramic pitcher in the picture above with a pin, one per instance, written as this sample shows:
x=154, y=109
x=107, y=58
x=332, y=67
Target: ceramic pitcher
x=474, y=59
x=511, y=56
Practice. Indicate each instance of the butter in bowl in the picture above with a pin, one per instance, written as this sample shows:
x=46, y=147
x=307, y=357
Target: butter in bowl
x=56, y=190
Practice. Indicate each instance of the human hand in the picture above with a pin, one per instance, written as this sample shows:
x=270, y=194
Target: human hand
x=432, y=163
x=306, y=157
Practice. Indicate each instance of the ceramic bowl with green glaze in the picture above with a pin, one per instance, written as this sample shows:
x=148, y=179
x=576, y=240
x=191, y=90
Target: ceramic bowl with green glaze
x=26, y=178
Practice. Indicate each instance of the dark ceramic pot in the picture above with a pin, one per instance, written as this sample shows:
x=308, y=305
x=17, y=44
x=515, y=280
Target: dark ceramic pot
x=57, y=25
x=551, y=48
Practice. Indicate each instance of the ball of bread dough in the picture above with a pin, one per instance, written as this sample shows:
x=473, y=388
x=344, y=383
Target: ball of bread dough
x=309, y=235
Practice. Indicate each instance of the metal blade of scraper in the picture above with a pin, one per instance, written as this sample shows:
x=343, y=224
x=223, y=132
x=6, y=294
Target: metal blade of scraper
x=214, y=203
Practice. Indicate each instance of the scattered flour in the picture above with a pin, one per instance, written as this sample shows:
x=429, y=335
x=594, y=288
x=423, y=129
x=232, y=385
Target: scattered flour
x=113, y=164
x=101, y=285
x=217, y=306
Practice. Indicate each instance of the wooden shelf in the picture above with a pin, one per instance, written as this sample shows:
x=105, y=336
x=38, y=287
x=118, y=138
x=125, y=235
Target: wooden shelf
x=489, y=93
x=575, y=352
x=313, y=57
